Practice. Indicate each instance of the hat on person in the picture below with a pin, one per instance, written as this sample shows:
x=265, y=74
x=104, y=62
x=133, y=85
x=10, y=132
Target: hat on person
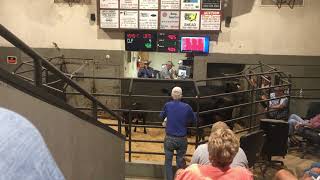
x=146, y=62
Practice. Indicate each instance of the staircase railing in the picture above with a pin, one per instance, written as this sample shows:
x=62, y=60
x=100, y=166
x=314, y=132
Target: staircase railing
x=40, y=64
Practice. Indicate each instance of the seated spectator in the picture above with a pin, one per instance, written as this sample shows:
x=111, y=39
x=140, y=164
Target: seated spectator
x=296, y=122
x=167, y=71
x=146, y=71
x=278, y=106
x=201, y=154
x=223, y=145
x=309, y=174
x=23, y=153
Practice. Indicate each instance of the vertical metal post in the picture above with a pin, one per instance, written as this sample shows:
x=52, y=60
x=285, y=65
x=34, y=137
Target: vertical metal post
x=130, y=116
x=251, y=108
x=289, y=93
x=198, y=114
x=252, y=96
x=37, y=72
x=47, y=76
x=94, y=110
x=120, y=105
x=197, y=124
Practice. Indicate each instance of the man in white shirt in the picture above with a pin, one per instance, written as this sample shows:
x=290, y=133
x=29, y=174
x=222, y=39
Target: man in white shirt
x=278, y=106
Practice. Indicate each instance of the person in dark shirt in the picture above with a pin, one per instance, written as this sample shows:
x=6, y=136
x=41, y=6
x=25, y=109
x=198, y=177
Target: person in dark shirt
x=178, y=115
x=146, y=71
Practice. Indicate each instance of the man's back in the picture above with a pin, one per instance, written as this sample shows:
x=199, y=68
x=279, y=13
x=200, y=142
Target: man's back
x=178, y=115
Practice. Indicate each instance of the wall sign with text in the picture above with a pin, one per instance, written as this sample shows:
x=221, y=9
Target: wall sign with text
x=211, y=5
x=168, y=15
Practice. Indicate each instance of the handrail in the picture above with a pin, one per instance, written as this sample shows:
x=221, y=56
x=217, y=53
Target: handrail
x=39, y=60
x=40, y=93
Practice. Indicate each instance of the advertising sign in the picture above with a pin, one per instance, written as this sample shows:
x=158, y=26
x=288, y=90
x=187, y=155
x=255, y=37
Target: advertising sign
x=110, y=4
x=170, y=4
x=210, y=20
x=189, y=20
x=128, y=19
x=211, y=4
x=169, y=20
x=109, y=18
x=148, y=19
x=128, y=4
x=148, y=4
x=190, y=4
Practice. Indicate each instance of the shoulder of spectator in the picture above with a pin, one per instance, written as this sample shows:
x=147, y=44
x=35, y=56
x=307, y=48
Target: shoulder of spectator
x=243, y=171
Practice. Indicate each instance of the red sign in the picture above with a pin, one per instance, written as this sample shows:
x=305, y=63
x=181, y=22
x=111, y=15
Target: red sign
x=12, y=60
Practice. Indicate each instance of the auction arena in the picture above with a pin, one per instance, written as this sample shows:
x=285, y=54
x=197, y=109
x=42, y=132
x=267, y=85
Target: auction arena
x=234, y=99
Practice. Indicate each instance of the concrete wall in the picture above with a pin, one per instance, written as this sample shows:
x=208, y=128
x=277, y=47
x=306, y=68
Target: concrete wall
x=94, y=63
x=255, y=29
x=81, y=150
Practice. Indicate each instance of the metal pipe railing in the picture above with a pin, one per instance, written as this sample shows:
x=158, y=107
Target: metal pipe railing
x=39, y=61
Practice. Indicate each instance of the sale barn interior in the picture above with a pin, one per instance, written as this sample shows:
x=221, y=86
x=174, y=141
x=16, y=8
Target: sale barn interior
x=136, y=89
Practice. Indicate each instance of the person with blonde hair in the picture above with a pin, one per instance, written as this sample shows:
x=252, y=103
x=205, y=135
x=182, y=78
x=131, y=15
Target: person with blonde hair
x=201, y=154
x=223, y=145
x=178, y=115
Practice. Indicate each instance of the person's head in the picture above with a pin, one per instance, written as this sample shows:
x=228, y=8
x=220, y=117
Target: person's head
x=219, y=125
x=223, y=145
x=180, y=63
x=176, y=93
x=146, y=64
x=279, y=91
x=169, y=65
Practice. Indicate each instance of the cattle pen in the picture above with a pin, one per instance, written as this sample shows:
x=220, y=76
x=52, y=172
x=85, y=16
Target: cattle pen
x=240, y=107
x=232, y=98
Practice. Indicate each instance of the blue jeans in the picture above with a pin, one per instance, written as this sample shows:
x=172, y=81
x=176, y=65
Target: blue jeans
x=293, y=121
x=170, y=144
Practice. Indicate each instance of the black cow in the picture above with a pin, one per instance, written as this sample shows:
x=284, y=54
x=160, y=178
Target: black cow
x=136, y=117
x=211, y=103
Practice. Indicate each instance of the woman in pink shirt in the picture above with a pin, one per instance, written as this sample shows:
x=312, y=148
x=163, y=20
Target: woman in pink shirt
x=222, y=147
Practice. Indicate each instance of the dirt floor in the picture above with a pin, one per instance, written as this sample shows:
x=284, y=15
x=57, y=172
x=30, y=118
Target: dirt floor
x=292, y=161
x=154, y=134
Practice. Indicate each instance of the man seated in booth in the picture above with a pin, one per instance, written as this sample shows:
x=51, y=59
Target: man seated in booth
x=167, y=71
x=146, y=71
x=278, y=107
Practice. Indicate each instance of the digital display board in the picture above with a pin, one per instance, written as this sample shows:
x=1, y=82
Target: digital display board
x=198, y=44
x=168, y=42
x=140, y=41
